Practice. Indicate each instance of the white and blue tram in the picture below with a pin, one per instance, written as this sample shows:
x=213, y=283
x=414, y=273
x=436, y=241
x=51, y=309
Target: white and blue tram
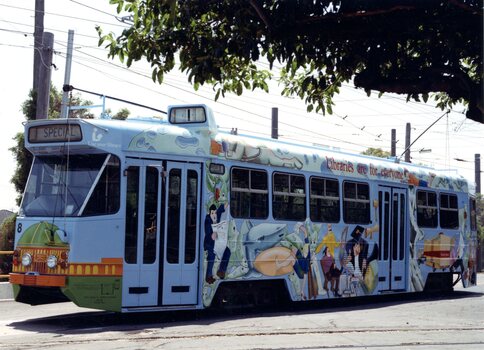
x=150, y=214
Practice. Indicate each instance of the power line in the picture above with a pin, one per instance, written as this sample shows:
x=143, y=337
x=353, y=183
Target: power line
x=231, y=106
x=227, y=105
x=252, y=101
x=95, y=9
x=65, y=16
x=19, y=46
x=15, y=31
x=49, y=29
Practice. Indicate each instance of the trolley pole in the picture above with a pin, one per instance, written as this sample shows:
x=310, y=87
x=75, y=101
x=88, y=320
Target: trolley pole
x=67, y=74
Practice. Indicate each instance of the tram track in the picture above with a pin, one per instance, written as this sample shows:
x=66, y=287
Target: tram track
x=399, y=337
x=445, y=322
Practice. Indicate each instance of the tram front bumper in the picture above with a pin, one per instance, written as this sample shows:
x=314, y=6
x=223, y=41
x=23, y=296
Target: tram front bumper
x=37, y=280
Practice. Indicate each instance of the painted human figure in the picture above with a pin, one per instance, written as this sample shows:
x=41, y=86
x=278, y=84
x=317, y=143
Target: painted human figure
x=213, y=217
x=302, y=266
x=331, y=272
x=357, y=250
x=358, y=260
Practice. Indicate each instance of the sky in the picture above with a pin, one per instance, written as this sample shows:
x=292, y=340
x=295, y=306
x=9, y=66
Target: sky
x=358, y=122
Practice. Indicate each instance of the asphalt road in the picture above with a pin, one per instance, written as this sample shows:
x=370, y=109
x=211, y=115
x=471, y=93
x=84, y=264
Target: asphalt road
x=449, y=321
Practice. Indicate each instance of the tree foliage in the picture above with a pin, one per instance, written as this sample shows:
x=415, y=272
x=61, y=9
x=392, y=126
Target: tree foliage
x=7, y=237
x=410, y=47
x=7, y=233
x=376, y=152
x=122, y=114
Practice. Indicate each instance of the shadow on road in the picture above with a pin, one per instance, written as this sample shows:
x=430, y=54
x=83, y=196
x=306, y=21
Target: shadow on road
x=99, y=322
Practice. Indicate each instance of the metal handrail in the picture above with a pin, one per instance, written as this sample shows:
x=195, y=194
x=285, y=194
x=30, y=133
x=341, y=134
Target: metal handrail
x=5, y=252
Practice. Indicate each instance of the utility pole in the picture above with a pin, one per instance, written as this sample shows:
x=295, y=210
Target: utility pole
x=407, y=143
x=275, y=123
x=43, y=89
x=38, y=33
x=67, y=74
x=394, y=143
x=478, y=172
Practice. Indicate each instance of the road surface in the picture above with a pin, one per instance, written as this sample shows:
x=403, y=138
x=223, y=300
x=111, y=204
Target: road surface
x=449, y=321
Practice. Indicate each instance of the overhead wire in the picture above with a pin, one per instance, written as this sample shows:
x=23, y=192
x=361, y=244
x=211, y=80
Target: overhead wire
x=219, y=102
x=65, y=16
x=264, y=117
x=362, y=128
x=377, y=136
x=93, y=8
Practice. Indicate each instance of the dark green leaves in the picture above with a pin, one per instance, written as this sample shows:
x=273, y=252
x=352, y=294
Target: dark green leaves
x=414, y=48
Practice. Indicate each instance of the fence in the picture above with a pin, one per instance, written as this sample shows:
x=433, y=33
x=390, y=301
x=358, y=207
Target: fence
x=5, y=267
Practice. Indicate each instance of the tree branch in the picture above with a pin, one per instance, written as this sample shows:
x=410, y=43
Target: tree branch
x=260, y=13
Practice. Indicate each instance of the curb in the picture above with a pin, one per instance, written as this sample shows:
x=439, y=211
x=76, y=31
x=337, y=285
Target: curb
x=6, y=291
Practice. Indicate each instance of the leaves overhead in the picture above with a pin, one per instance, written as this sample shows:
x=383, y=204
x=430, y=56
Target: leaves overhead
x=410, y=47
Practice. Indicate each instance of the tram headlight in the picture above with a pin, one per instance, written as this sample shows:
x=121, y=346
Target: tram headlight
x=26, y=259
x=51, y=261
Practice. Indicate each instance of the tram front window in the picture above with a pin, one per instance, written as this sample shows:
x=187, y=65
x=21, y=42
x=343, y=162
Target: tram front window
x=60, y=185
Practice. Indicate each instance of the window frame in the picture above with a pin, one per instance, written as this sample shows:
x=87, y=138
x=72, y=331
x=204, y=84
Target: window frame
x=454, y=211
x=426, y=207
x=289, y=198
x=324, y=197
x=250, y=192
x=347, y=200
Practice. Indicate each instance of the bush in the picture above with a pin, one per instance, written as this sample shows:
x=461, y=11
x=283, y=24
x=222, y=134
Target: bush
x=7, y=235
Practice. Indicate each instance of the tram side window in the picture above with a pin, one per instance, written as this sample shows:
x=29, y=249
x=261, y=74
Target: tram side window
x=324, y=200
x=174, y=207
x=150, y=215
x=105, y=197
x=132, y=196
x=449, y=215
x=472, y=206
x=248, y=194
x=288, y=197
x=356, y=202
x=191, y=212
x=426, y=209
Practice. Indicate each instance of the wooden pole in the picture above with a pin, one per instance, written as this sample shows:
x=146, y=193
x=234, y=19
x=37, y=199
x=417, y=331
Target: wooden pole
x=43, y=90
x=38, y=33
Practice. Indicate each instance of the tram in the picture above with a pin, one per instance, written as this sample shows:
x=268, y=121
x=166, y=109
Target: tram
x=151, y=214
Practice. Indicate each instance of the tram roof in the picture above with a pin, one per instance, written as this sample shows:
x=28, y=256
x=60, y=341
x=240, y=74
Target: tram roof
x=201, y=138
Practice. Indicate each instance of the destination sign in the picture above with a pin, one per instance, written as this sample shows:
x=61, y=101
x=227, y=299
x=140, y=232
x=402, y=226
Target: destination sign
x=55, y=133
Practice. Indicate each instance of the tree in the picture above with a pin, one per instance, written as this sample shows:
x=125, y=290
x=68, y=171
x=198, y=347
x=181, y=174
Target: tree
x=376, y=152
x=7, y=229
x=122, y=114
x=408, y=47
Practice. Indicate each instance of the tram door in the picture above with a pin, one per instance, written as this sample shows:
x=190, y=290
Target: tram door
x=182, y=227
x=393, y=240
x=142, y=233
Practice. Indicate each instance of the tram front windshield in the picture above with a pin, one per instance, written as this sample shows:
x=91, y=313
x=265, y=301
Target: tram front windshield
x=72, y=185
